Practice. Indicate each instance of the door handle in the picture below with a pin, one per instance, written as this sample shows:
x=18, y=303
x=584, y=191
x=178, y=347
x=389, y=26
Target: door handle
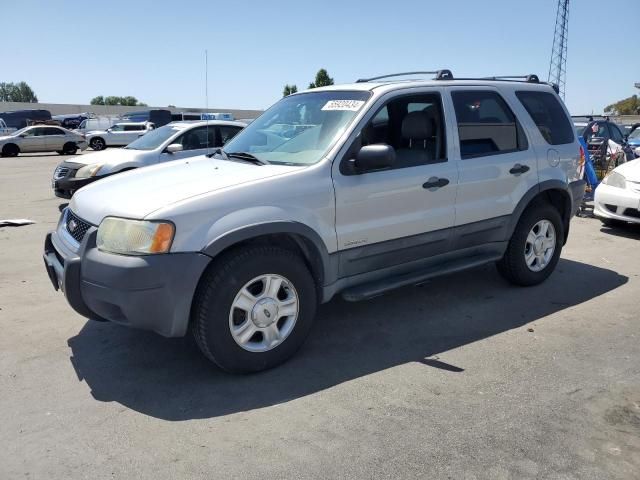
x=435, y=182
x=517, y=169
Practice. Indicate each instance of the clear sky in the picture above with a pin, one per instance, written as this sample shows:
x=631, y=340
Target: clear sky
x=70, y=52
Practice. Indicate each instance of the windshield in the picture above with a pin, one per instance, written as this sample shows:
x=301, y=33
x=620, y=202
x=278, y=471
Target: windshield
x=22, y=130
x=635, y=134
x=299, y=129
x=154, y=138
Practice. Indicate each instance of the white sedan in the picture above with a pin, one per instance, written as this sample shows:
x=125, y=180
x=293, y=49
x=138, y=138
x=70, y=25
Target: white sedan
x=172, y=142
x=617, y=198
x=41, y=138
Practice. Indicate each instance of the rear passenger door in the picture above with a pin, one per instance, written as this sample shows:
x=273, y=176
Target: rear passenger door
x=55, y=138
x=497, y=166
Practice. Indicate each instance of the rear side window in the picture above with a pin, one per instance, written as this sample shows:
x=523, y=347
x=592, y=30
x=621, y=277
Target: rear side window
x=486, y=124
x=548, y=115
x=133, y=128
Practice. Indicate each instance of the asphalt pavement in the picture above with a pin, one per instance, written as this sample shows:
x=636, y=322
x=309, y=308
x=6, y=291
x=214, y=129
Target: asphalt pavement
x=464, y=377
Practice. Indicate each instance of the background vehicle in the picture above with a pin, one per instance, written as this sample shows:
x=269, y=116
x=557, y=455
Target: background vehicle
x=118, y=135
x=97, y=123
x=633, y=140
x=157, y=117
x=182, y=116
x=172, y=142
x=617, y=198
x=40, y=138
x=4, y=129
x=71, y=121
x=20, y=118
x=375, y=186
x=597, y=134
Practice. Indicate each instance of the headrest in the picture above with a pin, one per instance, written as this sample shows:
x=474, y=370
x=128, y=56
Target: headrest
x=417, y=126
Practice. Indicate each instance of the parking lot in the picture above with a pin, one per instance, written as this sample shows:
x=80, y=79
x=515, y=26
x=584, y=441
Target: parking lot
x=464, y=377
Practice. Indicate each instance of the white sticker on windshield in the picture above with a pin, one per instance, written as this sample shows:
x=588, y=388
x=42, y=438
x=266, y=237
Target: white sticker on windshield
x=345, y=105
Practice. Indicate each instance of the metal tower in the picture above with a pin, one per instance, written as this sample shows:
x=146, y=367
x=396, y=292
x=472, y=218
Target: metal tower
x=558, y=64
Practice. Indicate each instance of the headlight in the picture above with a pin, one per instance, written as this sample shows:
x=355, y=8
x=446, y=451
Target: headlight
x=89, y=170
x=615, y=179
x=134, y=237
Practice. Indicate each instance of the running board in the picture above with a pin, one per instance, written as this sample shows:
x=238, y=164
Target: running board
x=379, y=287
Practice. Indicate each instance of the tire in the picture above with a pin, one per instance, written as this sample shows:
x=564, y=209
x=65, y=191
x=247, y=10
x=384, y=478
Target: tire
x=515, y=265
x=69, y=148
x=613, y=222
x=97, y=143
x=10, y=150
x=214, y=311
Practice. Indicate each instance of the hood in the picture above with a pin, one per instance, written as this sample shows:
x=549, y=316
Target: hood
x=138, y=193
x=110, y=156
x=631, y=170
x=6, y=137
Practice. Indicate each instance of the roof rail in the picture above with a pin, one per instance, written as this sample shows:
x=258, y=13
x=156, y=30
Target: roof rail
x=443, y=74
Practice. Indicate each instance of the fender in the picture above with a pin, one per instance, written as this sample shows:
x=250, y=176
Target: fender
x=313, y=246
x=524, y=202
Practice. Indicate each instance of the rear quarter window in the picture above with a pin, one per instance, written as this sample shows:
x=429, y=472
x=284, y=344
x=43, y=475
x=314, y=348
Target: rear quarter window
x=548, y=115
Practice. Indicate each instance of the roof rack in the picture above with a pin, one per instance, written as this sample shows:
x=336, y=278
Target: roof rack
x=439, y=75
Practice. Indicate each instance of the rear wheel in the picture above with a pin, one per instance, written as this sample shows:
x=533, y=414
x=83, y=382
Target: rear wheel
x=253, y=308
x=97, y=143
x=69, y=148
x=10, y=150
x=534, y=249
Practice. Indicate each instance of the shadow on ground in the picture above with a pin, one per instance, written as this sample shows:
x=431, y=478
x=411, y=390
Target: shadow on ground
x=169, y=379
x=629, y=230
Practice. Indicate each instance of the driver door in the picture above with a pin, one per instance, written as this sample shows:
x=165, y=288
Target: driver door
x=197, y=141
x=34, y=140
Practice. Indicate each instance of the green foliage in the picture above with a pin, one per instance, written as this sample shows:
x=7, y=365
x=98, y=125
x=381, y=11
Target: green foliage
x=289, y=89
x=322, y=79
x=17, y=92
x=627, y=106
x=112, y=100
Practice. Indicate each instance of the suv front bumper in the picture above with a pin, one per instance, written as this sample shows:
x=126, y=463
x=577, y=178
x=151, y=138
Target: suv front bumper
x=151, y=292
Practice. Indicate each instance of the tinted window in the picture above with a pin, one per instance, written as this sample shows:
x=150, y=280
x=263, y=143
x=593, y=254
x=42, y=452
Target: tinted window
x=486, y=125
x=133, y=128
x=53, y=131
x=548, y=115
x=616, y=134
x=227, y=133
x=197, y=138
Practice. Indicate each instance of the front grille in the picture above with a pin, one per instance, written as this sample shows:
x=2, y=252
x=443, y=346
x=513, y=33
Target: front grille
x=76, y=227
x=632, y=212
x=60, y=172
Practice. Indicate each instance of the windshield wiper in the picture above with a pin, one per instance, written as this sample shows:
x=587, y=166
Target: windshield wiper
x=218, y=151
x=247, y=157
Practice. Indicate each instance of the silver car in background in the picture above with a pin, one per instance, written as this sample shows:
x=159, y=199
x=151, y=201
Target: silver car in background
x=172, y=142
x=42, y=138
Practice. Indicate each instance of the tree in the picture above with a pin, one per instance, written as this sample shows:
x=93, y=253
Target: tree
x=627, y=106
x=113, y=100
x=322, y=79
x=17, y=92
x=289, y=89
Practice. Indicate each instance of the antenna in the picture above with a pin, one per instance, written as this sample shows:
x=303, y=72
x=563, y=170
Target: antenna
x=558, y=64
x=206, y=95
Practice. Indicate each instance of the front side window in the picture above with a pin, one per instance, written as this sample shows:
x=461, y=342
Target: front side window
x=34, y=132
x=301, y=128
x=548, y=115
x=486, y=124
x=133, y=128
x=227, y=132
x=413, y=125
x=117, y=128
x=197, y=138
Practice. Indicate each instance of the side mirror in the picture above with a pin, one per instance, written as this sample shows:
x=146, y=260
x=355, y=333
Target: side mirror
x=174, y=147
x=374, y=157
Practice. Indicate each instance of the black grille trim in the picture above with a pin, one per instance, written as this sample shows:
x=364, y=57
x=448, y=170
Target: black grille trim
x=80, y=227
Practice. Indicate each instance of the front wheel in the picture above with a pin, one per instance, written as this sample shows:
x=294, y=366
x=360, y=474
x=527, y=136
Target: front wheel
x=534, y=249
x=97, y=143
x=253, y=308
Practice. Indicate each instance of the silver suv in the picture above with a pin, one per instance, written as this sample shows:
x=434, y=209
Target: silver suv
x=353, y=190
